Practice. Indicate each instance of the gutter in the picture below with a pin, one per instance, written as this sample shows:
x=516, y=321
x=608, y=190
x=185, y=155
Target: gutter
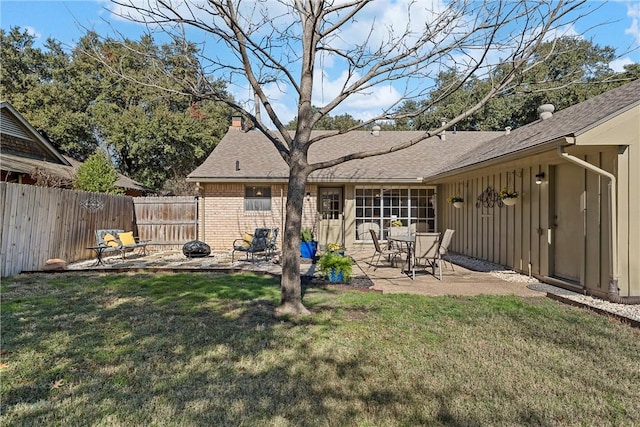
x=614, y=291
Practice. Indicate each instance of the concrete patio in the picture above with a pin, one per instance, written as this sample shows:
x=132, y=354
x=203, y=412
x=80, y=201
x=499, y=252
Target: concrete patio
x=388, y=279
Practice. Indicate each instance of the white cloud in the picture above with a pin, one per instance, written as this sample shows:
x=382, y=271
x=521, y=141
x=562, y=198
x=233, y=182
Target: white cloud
x=633, y=12
x=618, y=64
x=33, y=32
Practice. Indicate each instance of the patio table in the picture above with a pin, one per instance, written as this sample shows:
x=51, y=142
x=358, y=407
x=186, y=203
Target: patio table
x=409, y=241
x=99, y=250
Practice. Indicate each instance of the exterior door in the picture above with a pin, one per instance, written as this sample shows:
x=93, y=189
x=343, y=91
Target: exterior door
x=568, y=223
x=331, y=214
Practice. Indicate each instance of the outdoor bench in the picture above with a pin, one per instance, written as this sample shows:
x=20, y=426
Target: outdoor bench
x=117, y=241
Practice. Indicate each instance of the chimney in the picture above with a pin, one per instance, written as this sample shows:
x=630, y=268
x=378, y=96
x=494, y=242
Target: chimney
x=236, y=123
x=375, y=130
x=545, y=111
x=507, y=130
x=442, y=135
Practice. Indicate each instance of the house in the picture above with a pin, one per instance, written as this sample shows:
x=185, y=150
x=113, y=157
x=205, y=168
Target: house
x=244, y=185
x=27, y=157
x=576, y=222
x=570, y=229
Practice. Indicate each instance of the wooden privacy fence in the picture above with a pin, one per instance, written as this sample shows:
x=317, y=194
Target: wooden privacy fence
x=167, y=221
x=39, y=223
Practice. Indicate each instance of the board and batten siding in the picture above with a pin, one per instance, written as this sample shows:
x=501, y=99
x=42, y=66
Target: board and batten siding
x=521, y=237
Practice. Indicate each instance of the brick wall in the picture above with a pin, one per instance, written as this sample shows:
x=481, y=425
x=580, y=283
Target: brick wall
x=222, y=218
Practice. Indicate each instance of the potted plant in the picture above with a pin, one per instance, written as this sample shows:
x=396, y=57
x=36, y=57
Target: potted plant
x=456, y=201
x=308, y=246
x=335, y=247
x=509, y=197
x=396, y=223
x=335, y=267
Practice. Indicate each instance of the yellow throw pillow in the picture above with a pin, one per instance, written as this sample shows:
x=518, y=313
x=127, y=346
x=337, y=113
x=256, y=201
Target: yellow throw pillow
x=247, y=239
x=127, y=238
x=110, y=240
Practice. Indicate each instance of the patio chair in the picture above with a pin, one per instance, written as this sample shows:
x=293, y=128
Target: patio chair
x=272, y=239
x=257, y=244
x=390, y=253
x=398, y=231
x=363, y=229
x=444, y=246
x=427, y=248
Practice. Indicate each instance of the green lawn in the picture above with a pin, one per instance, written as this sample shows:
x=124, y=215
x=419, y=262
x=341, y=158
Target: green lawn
x=205, y=350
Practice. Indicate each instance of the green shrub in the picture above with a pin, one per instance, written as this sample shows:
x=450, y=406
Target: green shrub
x=334, y=261
x=97, y=174
x=306, y=235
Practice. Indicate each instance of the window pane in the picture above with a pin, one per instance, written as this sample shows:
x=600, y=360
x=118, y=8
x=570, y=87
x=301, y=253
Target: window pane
x=257, y=199
x=411, y=206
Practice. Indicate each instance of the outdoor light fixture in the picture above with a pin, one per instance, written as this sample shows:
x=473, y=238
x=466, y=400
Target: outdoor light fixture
x=308, y=195
x=539, y=178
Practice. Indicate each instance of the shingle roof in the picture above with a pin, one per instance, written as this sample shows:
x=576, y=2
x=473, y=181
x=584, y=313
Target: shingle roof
x=571, y=121
x=259, y=160
x=19, y=164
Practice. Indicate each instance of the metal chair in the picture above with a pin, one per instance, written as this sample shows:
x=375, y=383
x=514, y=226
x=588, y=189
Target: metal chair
x=258, y=244
x=427, y=247
x=390, y=253
x=444, y=246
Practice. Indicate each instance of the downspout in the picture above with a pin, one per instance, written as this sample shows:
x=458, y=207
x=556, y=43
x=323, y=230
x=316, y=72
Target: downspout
x=614, y=292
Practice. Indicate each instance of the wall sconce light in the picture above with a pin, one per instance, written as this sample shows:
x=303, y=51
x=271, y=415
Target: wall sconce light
x=539, y=178
x=308, y=196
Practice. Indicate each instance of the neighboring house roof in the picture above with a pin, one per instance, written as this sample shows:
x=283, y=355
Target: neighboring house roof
x=568, y=123
x=259, y=160
x=29, y=150
x=14, y=125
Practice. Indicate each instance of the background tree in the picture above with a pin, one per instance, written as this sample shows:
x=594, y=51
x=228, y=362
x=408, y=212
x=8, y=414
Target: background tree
x=97, y=174
x=153, y=135
x=281, y=43
x=329, y=122
x=48, y=89
x=570, y=70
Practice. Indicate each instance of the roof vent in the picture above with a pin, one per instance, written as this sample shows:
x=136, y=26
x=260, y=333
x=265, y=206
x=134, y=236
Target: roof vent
x=375, y=130
x=545, y=111
x=507, y=130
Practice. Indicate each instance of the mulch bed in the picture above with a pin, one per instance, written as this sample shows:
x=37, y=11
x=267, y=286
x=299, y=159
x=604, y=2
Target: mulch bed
x=361, y=283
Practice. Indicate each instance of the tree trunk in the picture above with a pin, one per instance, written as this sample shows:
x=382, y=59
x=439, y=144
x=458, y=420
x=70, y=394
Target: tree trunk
x=291, y=291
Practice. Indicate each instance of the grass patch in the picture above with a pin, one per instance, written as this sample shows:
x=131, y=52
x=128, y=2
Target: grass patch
x=204, y=349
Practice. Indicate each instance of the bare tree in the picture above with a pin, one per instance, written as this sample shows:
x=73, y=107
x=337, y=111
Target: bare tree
x=283, y=44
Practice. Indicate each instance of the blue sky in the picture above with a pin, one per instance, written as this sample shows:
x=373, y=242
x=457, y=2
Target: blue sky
x=615, y=24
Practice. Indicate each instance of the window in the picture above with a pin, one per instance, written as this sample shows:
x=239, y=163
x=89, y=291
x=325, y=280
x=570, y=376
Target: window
x=257, y=199
x=413, y=207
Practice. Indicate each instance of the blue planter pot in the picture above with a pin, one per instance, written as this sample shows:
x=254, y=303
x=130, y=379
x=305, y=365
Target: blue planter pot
x=308, y=249
x=334, y=277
